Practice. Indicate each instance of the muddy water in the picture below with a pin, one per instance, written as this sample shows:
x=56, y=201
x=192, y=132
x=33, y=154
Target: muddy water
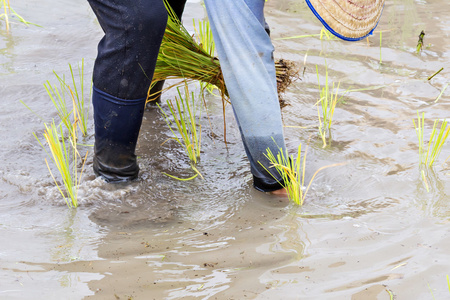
x=367, y=229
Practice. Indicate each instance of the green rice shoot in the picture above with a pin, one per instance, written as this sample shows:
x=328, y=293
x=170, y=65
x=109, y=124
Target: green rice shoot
x=435, y=73
x=429, y=154
x=442, y=92
x=324, y=33
x=204, y=36
x=62, y=138
x=8, y=11
x=186, y=120
x=420, y=42
x=64, y=155
x=448, y=283
x=64, y=96
x=292, y=172
x=78, y=92
x=328, y=101
x=431, y=290
x=205, y=40
x=58, y=96
x=391, y=295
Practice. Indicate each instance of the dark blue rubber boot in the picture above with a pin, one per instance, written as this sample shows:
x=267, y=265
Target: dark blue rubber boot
x=117, y=123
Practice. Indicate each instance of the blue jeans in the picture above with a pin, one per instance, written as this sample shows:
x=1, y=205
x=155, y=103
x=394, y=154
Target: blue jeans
x=246, y=58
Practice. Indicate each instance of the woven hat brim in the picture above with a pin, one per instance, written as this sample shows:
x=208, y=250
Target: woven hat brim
x=350, y=20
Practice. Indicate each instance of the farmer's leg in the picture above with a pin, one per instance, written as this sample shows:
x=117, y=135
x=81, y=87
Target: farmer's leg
x=122, y=75
x=246, y=58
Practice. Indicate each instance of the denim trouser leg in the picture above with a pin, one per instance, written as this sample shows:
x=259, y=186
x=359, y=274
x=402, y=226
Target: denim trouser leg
x=246, y=58
x=127, y=53
x=122, y=75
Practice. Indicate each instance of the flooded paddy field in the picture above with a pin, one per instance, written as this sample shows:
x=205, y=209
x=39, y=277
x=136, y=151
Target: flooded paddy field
x=367, y=230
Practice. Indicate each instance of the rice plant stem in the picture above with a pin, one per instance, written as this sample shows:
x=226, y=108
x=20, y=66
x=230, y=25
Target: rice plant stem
x=419, y=132
x=442, y=92
x=328, y=101
x=437, y=72
x=80, y=105
x=435, y=143
x=448, y=283
x=61, y=157
x=181, y=179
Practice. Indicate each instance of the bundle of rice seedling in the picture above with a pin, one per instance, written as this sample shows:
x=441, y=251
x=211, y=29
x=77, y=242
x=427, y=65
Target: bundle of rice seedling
x=181, y=57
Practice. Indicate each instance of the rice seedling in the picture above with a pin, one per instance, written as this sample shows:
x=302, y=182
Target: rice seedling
x=448, y=283
x=292, y=172
x=328, y=101
x=206, y=41
x=442, y=92
x=431, y=290
x=181, y=57
x=64, y=154
x=299, y=36
x=58, y=98
x=63, y=150
x=391, y=295
x=428, y=155
x=204, y=36
x=435, y=73
x=420, y=42
x=8, y=11
x=63, y=143
x=82, y=109
x=76, y=95
x=325, y=33
x=186, y=122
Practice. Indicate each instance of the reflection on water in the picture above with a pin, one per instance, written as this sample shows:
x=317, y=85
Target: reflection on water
x=367, y=228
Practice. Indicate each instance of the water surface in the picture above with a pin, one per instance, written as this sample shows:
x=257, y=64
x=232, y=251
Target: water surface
x=367, y=229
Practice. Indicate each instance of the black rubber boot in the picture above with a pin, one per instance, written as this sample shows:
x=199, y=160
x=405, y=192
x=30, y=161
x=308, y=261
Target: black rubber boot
x=267, y=28
x=117, y=123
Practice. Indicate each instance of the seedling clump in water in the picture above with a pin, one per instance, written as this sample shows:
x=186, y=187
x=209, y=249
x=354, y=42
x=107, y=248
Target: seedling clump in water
x=63, y=146
x=428, y=155
x=64, y=155
x=328, y=101
x=187, y=123
x=292, y=172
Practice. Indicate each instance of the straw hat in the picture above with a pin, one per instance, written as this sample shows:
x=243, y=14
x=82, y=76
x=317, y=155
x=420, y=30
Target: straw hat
x=350, y=20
